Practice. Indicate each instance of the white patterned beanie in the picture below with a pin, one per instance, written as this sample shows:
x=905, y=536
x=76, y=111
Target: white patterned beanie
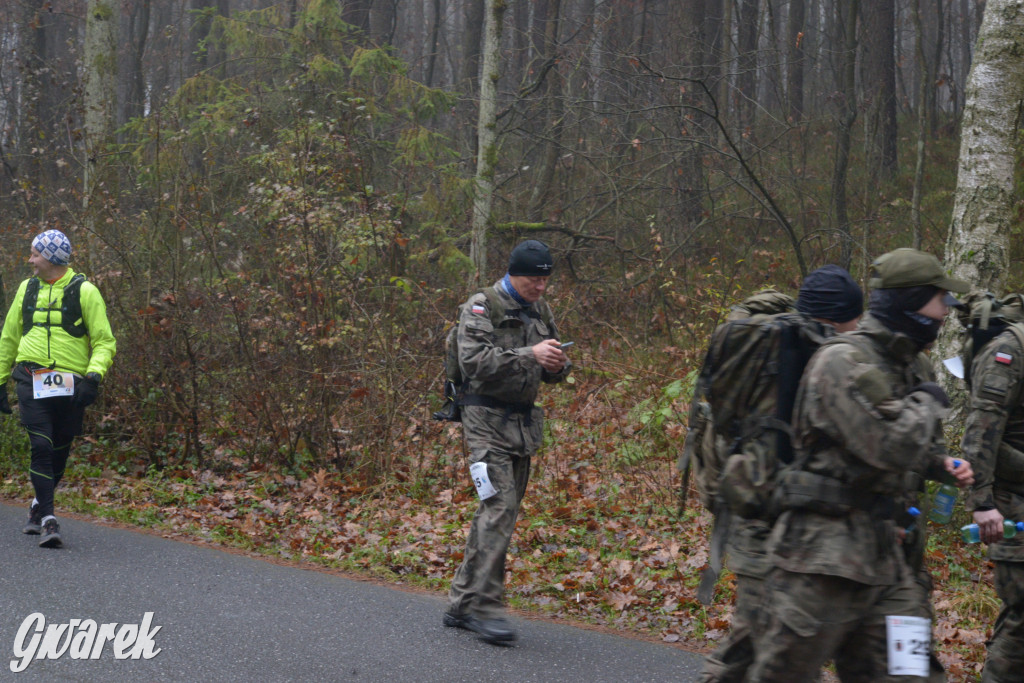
x=54, y=246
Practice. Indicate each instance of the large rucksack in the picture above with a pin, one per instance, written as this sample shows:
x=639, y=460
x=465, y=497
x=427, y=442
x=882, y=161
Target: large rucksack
x=454, y=382
x=740, y=417
x=742, y=411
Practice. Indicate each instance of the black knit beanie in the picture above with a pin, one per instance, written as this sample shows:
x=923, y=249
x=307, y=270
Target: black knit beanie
x=531, y=258
x=829, y=293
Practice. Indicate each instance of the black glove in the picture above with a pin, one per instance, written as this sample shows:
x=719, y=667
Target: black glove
x=87, y=390
x=933, y=390
x=5, y=404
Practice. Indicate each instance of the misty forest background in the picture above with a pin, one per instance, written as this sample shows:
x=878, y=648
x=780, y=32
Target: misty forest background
x=284, y=202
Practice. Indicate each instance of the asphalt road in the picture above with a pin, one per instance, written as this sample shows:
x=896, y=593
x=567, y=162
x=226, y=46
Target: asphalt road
x=226, y=617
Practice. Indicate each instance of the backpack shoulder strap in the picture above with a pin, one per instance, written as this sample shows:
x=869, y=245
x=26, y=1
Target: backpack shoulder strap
x=28, y=304
x=1018, y=332
x=545, y=312
x=71, y=307
x=496, y=305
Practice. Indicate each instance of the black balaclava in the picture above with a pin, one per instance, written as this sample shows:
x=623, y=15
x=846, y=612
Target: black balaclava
x=897, y=309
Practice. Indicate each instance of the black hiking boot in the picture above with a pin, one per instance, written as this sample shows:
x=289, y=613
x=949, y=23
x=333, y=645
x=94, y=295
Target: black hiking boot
x=493, y=631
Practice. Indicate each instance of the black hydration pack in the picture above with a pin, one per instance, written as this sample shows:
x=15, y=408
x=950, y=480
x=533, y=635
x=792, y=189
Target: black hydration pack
x=71, y=319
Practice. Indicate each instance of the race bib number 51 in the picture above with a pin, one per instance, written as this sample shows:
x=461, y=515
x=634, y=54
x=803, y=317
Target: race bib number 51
x=484, y=488
x=50, y=383
x=909, y=641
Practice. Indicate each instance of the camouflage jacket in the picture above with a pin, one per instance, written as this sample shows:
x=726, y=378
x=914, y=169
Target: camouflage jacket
x=499, y=362
x=856, y=422
x=993, y=440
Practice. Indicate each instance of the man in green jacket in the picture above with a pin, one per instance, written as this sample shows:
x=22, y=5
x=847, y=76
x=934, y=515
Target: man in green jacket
x=57, y=345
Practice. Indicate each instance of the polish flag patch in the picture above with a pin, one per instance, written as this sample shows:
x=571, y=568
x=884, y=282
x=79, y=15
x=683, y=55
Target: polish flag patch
x=1004, y=358
x=478, y=309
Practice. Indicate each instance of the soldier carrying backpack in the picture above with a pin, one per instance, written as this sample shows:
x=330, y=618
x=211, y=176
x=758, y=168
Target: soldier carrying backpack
x=740, y=432
x=993, y=440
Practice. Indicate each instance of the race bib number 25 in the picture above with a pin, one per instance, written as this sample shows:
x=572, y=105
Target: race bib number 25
x=909, y=643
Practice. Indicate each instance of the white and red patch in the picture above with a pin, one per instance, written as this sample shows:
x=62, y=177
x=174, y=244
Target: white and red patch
x=479, y=310
x=1004, y=358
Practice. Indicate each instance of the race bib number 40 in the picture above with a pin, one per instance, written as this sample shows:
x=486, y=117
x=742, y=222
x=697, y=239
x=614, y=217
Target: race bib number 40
x=50, y=383
x=909, y=642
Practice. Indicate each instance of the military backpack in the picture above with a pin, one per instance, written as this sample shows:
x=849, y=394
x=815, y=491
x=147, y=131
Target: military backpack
x=743, y=405
x=740, y=433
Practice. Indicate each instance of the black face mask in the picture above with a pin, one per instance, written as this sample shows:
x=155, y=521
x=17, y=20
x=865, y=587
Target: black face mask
x=897, y=310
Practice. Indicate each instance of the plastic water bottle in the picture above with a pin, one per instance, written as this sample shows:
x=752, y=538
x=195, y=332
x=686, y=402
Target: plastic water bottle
x=945, y=499
x=972, y=534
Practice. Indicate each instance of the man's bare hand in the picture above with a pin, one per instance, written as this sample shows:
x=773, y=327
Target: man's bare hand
x=962, y=471
x=990, y=525
x=550, y=357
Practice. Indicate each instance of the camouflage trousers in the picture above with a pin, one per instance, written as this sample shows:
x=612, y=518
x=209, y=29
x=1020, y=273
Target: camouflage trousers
x=1005, y=661
x=735, y=654
x=505, y=444
x=748, y=559
x=808, y=619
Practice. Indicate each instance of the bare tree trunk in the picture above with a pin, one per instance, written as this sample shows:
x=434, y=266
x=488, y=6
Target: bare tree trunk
x=357, y=13
x=879, y=82
x=977, y=249
x=922, y=125
x=383, y=16
x=134, y=102
x=935, y=62
x=554, y=110
x=695, y=49
x=293, y=12
x=472, y=37
x=966, y=40
x=44, y=119
x=487, y=152
x=795, y=67
x=978, y=246
x=845, y=118
x=162, y=72
x=469, y=71
x=747, y=63
x=432, y=47
x=100, y=75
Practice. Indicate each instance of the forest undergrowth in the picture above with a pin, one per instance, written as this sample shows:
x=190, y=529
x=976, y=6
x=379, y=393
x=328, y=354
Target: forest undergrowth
x=603, y=537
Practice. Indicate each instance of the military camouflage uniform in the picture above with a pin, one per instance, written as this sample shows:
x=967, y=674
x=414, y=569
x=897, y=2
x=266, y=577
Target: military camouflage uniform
x=748, y=560
x=838, y=565
x=504, y=434
x=993, y=442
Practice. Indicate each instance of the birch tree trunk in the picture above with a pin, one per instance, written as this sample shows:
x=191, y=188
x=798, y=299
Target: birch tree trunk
x=100, y=95
x=977, y=249
x=487, y=152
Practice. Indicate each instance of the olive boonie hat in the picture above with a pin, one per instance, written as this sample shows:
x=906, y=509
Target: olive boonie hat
x=912, y=268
